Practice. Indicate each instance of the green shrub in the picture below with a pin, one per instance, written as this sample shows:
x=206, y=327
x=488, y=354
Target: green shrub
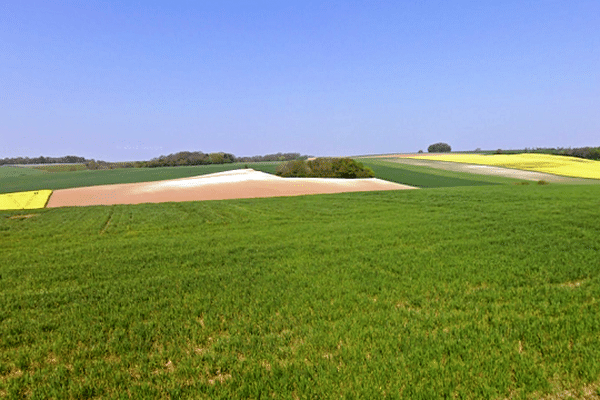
x=297, y=168
x=349, y=169
x=325, y=168
x=439, y=148
x=321, y=168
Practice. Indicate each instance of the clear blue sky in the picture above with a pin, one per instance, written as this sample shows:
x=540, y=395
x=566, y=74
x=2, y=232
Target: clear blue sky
x=131, y=80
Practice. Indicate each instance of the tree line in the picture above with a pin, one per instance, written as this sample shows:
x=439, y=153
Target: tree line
x=44, y=160
x=589, y=153
x=182, y=158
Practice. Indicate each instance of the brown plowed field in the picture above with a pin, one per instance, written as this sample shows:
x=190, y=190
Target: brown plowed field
x=237, y=184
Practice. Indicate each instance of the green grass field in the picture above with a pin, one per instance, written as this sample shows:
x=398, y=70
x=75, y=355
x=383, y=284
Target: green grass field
x=13, y=172
x=467, y=292
x=16, y=179
x=62, y=167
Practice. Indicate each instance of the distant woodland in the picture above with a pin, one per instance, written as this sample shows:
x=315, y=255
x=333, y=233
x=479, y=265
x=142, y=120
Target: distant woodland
x=44, y=160
x=182, y=158
x=589, y=153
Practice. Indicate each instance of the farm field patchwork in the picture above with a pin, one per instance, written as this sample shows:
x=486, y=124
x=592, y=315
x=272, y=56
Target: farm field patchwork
x=552, y=164
x=428, y=177
x=236, y=184
x=14, y=179
x=17, y=179
x=469, y=292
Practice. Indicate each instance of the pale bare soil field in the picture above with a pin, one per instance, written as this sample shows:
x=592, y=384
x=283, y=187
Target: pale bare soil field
x=237, y=184
x=484, y=169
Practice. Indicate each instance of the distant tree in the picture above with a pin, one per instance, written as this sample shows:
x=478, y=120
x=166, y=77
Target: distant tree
x=228, y=158
x=420, y=151
x=217, y=158
x=439, y=148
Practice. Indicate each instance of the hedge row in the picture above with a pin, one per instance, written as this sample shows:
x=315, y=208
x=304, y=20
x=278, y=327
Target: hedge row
x=325, y=168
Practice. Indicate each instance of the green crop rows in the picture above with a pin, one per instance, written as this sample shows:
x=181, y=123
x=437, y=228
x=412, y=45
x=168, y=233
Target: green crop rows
x=466, y=292
x=427, y=177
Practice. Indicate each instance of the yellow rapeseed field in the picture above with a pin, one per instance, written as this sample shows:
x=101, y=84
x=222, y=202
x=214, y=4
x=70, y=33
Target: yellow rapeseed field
x=558, y=165
x=24, y=200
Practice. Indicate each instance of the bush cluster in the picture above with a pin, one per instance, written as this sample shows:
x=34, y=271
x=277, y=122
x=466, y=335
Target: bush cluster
x=325, y=167
x=439, y=148
x=590, y=153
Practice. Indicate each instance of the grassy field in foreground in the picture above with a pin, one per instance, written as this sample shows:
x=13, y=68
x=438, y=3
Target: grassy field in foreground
x=468, y=292
x=14, y=179
x=552, y=164
x=427, y=177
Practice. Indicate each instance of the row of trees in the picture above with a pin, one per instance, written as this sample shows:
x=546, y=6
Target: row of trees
x=181, y=158
x=590, y=153
x=187, y=158
x=43, y=160
x=200, y=158
x=273, y=157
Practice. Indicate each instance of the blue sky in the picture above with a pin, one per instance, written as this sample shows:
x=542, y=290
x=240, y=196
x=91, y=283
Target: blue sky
x=131, y=80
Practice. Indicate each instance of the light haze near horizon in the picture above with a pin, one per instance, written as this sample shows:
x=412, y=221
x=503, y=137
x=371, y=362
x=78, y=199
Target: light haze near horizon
x=121, y=81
